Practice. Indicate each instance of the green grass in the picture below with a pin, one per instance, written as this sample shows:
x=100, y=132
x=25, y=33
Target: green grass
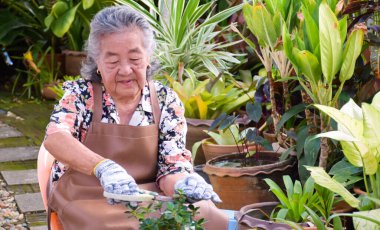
x=18, y=165
x=36, y=114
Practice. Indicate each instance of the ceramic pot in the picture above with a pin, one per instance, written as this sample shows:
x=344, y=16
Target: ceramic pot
x=194, y=134
x=73, y=61
x=211, y=149
x=239, y=186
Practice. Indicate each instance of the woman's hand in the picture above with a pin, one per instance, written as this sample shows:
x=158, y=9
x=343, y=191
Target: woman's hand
x=115, y=179
x=195, y=187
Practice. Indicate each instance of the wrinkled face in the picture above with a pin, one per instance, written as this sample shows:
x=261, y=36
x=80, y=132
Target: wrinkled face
x=123, y=62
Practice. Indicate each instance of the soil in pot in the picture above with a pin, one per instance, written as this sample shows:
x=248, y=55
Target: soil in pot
x=239, y=186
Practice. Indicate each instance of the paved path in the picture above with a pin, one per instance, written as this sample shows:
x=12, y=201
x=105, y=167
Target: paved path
x=22, y=183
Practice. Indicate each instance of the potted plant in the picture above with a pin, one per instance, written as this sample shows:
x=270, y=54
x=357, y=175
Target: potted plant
x=238, y=177
x=204, y=100
x=357, y=131
x=292, y=210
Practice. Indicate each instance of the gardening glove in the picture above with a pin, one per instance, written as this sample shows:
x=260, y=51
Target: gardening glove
x=115, y=179
x=195, y=187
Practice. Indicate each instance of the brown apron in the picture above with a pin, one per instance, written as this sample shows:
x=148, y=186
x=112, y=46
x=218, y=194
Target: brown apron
x=78, y=198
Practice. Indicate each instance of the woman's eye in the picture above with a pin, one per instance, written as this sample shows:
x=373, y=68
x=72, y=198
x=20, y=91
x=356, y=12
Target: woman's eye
x=135, y=59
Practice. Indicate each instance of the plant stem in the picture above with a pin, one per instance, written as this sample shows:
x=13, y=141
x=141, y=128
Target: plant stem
x=273, y=102
x=325, y=148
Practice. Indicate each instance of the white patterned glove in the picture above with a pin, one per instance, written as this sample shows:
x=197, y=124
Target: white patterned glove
x=115, y=179
x=195, y=187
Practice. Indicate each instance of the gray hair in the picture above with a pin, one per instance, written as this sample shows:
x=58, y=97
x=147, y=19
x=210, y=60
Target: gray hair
x=114, y=19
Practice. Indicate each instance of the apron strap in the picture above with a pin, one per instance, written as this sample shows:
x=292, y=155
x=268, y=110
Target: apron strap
x=97, y=88
x=98, y=107
x=154, y=101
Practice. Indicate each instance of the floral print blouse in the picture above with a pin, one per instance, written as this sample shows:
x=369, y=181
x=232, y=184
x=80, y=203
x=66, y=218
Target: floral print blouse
x=74, y=113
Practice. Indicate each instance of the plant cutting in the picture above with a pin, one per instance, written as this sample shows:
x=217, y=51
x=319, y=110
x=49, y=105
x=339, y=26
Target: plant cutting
x=175, y=214
x=358, y=132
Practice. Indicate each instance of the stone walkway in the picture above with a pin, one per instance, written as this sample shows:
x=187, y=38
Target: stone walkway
x=21, y=202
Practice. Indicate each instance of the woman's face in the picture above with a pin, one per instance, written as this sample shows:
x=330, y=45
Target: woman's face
x=123, y=62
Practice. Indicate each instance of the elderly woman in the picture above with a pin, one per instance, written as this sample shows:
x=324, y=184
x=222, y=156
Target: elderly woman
x=118, y=131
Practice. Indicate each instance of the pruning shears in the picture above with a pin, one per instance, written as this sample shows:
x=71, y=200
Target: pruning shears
x=143, y=196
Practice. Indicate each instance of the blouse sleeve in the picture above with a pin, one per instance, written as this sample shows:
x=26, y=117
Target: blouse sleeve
x=173, y=157
x=68, y=114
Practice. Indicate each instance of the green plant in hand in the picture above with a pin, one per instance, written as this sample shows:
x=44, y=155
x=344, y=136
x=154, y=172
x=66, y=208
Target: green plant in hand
x=175, y=215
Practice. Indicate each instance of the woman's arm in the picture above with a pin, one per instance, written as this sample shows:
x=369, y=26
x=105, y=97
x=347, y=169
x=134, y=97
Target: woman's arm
x=167, y=182
x=68, y=150
x=64, y=132
x=174, y=160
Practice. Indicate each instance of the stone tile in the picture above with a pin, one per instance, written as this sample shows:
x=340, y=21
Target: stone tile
x=18, y=154
x=39, y=228
x=16, y=177
x=30, y=202
x=8, y=131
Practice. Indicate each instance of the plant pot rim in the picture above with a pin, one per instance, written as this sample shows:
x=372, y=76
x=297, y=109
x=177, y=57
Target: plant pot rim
x=267, y=169
x=198, y=122
x=209, y=141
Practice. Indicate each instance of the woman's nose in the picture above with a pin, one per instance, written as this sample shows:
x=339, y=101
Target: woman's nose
x=125, y=69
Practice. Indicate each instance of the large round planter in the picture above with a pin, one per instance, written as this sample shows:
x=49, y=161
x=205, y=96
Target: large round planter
x=195, y=133
x=245, y=185
x=73, y=61
x=255, y=216
x=211, y=149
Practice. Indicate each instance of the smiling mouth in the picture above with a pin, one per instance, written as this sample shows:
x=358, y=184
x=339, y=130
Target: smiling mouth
x=127, y=81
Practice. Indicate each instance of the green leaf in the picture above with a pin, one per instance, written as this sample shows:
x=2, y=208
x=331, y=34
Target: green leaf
x=361, y=223
x=311, y=149
x=62, y=24
x=254, y=111
x=311, y=30
x=263, y=27
x=290, y=113
x=308, y=65
x=276, y=190
x=330, y=42
x=288, y=46
x=87, y=3
x=221, y=15
x=316, y=219
x=351, y=53
x=194, y=149
x=323, y=179
x=376, y=101
x=343, y=28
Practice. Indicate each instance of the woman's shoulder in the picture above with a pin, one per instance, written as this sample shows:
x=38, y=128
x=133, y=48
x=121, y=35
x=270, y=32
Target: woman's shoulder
x=162, y=89
x=79, y=87
x=165, y=93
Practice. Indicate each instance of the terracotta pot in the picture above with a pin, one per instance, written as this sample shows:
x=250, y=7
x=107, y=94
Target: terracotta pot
x=73, y=61
x=256, y=216
x=211, y=149
x=195, y=133
x=245, y=185
x=47, y=93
